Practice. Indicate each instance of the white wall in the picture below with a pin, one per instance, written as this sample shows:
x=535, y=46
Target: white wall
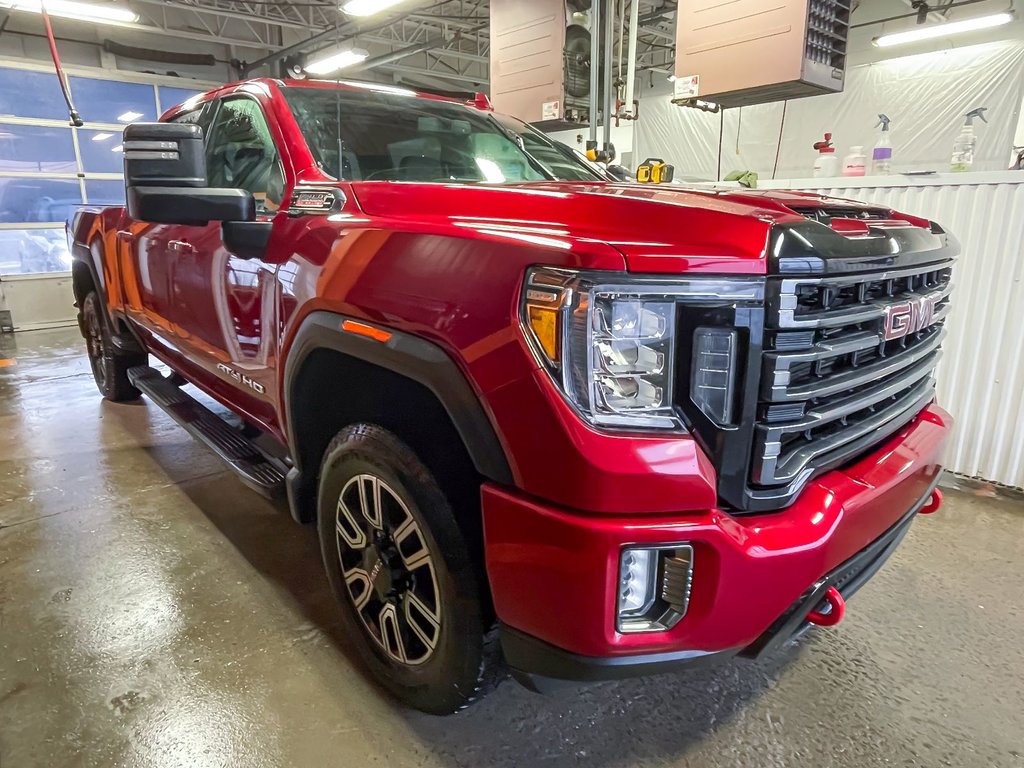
x=926, y=115
x=622, y=139
x=38, y=301
x=926, y=96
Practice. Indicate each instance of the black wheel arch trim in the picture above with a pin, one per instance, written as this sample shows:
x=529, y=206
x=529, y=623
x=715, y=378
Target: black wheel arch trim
x=82, y=254
x=130, y=343
x=412, y=357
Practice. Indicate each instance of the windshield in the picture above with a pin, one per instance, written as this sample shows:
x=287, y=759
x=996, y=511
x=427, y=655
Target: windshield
x=394, y=137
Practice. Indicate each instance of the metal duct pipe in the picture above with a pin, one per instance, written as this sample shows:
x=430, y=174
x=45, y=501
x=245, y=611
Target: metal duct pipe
x=164, y=57
x=595, y=63
x=634, y=28
x=388, y=58
x=608, y=95
x=331, y=33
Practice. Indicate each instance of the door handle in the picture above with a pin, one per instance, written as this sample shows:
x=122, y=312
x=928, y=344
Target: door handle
x=181, y=246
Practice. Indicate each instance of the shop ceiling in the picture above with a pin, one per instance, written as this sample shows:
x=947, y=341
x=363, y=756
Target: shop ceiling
x=435, y=44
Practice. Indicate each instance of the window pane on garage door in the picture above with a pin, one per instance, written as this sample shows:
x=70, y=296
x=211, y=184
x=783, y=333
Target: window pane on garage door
x=31, y=94
x=31, y=251
x=172, y=97
x=108, y=101
x=104, y=191
x=25, y=200
x=101, y=151
x=36, y=148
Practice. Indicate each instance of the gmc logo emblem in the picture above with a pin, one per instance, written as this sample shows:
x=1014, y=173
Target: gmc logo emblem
x=909, y=317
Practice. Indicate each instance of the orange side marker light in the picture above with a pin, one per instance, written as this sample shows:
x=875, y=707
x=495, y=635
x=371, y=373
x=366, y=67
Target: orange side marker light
x=361, y=329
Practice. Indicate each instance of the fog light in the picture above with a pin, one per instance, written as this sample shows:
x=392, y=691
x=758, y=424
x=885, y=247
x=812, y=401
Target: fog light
x=654, y=587
x=637, y=581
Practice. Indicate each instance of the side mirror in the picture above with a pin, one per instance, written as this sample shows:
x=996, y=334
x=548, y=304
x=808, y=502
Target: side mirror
x=165, y=178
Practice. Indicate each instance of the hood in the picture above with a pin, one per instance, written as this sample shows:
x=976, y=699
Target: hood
x=656, y=229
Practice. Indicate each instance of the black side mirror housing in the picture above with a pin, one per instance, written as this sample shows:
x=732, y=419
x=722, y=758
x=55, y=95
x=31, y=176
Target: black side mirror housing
x=246, y=239
x=164, y=154
x=165, y=178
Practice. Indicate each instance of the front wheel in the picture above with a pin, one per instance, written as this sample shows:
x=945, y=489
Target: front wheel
x=399, y=564
x=109, y=365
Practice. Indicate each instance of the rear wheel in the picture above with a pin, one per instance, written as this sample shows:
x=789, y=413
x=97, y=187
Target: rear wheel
x=399, y=564
x=109, y=365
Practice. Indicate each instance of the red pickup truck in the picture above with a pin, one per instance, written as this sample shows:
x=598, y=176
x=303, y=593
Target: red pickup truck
x=544, y=421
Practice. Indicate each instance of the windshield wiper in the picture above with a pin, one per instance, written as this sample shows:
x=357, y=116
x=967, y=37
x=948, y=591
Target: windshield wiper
x=518, y=141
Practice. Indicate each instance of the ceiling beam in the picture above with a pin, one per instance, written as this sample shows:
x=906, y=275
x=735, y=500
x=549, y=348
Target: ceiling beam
x=197, y=10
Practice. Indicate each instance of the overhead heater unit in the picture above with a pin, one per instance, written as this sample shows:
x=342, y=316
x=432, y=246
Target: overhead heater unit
x=540, y=61
x=754, y=51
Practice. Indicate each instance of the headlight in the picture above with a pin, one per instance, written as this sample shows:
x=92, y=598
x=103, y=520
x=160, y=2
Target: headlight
x=610, y=340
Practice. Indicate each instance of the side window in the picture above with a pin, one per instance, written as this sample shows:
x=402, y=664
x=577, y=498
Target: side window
x=240, y=153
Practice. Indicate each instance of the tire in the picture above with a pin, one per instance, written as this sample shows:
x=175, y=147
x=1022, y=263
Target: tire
x=423, y=631
x=109, y=366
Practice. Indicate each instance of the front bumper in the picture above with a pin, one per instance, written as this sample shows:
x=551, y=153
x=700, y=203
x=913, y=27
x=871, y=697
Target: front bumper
x=553, y=572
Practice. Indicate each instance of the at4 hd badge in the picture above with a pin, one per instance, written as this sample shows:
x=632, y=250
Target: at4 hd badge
x=315, y=200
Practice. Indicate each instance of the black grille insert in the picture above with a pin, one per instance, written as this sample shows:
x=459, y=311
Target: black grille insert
x=839, y=373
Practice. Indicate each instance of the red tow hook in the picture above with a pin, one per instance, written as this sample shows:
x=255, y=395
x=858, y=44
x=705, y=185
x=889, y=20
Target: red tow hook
x=836, y=609
x=934, y=502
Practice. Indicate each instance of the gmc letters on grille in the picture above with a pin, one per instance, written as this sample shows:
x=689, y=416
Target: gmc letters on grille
x=908, y=317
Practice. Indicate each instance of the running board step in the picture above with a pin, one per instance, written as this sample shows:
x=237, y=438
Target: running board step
x=260, y=472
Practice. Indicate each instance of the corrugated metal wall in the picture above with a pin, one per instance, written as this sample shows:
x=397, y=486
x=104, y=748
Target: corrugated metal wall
x=981, y=375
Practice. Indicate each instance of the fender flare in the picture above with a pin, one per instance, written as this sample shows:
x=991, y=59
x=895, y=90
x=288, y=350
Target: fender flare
x=82, y=253
x=414, y=358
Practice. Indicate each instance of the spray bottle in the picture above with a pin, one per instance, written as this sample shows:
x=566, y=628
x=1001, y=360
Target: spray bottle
x=825, y=163
x=881, y=155
x=963, y=148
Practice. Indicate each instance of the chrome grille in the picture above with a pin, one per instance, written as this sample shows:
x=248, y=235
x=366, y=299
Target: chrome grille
x=832, y=384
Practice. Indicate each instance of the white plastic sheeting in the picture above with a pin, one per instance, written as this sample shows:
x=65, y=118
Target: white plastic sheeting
x=926, y=97
x=981, y=374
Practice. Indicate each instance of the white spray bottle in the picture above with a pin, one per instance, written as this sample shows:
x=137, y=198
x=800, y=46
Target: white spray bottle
x=963, y=148
x=881, y=155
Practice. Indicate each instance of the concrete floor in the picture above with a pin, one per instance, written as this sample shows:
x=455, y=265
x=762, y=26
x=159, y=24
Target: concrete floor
x=153, y=612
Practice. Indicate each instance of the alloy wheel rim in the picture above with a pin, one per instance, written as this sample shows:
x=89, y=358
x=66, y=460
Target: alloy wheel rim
x=388, y=570
x=95, y=345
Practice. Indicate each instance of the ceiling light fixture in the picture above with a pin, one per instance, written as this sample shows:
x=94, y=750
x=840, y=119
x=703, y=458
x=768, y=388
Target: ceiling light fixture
x=942, y=30
x=332, y=62
x=128, y=116
x=367, y=7
x=102, y=136
x=69, y=9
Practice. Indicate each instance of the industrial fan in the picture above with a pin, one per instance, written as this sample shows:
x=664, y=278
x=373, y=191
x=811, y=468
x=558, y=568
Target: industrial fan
x=577, y=61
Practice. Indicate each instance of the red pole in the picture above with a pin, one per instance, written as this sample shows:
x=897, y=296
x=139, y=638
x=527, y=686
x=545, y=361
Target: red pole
x=76, y=120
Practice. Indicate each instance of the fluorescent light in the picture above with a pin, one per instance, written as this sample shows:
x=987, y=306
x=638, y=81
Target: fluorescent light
x=128, y=116
x=367, y=7
x=118, y=148
x=102, y=136
x=69, y=9
x=942, y=30
x=336, y=61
